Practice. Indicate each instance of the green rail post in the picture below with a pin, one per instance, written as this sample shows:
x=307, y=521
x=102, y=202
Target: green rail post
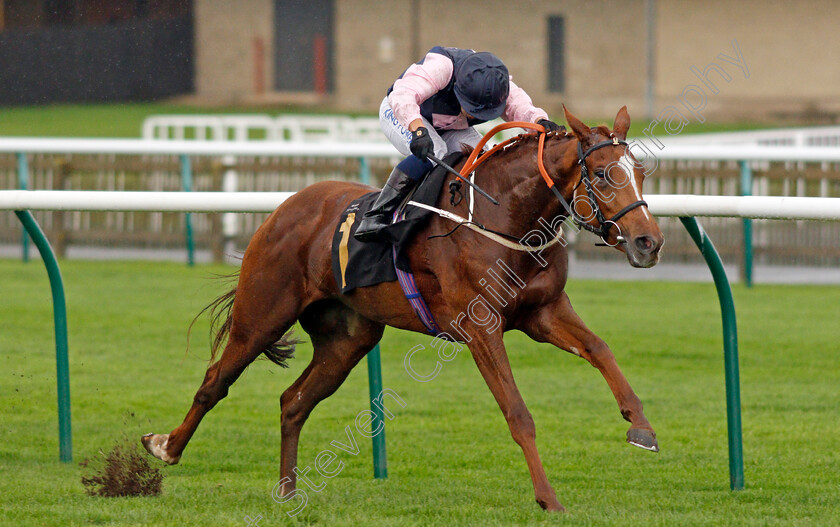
x=374, y=362
x=746, y=190
x=65, y=436
x=186, y=185
x=730, y=350
x=23, y=184
x=380, y=460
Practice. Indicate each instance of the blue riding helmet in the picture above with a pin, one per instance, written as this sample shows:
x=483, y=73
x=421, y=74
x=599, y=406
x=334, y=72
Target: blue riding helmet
x=482, y=85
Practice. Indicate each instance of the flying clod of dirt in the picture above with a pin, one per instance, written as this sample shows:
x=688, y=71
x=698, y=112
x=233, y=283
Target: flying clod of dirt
x=124, y=471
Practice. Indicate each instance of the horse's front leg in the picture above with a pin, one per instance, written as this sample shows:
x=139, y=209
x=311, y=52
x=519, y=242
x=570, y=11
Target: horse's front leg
x=558, y=324
x=490, y=356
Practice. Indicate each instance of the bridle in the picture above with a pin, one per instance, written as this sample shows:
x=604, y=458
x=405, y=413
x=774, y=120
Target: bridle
x=604, y=225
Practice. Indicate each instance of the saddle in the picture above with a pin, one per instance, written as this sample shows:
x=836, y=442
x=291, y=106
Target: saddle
x=361, y=264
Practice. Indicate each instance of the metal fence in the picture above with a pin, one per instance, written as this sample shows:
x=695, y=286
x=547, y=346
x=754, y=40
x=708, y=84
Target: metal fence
x=161, y=173
x=775, y=242
x=287, y=127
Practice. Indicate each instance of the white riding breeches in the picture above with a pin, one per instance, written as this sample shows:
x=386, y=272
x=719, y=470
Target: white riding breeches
x=445, y=141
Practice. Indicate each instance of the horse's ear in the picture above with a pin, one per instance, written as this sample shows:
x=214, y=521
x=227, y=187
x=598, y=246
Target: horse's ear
x=580, y=130
x=622, y=123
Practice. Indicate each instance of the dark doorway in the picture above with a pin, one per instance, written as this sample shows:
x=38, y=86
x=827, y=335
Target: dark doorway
x=303, y=45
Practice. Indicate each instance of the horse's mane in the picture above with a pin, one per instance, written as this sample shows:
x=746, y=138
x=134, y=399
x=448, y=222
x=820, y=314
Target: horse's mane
x=520, y=144
x=516, y=145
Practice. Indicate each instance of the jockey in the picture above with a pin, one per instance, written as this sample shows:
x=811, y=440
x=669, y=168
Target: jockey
x=432, y=108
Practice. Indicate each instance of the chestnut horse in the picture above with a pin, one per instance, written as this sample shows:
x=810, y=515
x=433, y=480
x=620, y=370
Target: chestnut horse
x=286, y=276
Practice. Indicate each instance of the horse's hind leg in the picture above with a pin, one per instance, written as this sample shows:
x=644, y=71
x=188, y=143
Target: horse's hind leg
x=340, y=338
x=256, y=325
x=238, y=354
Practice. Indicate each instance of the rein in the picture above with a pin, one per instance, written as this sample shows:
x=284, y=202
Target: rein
x=604, y=225
x=502, y=239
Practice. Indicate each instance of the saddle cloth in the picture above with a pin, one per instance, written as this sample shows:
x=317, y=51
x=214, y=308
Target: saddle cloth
x=361, y=264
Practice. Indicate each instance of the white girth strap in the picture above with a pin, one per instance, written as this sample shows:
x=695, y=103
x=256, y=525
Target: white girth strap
x=493, y=236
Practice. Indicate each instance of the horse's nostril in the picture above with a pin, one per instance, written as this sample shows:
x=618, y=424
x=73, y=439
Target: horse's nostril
x=644, y=244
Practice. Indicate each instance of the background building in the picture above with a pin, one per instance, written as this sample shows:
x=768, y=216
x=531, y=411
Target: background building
x=593, y=55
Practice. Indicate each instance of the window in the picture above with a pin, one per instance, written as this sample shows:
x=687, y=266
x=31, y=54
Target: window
x=556, y=52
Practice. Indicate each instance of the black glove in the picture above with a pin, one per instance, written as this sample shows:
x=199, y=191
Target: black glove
x=551, y=126
x=421, y=143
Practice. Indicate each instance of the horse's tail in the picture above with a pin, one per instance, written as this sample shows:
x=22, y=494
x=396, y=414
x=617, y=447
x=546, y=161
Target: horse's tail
x=221, y=321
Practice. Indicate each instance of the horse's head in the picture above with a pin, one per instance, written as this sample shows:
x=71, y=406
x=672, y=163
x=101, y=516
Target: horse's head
x=607, y=197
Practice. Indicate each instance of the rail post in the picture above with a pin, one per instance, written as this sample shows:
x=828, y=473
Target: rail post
x=62, y=173
x=380, y=460
x=374, y=363
x=730, y=350
x=230, y=220
x=746, y=190
x=186, y=185
x=65, y=435
x=23, y=184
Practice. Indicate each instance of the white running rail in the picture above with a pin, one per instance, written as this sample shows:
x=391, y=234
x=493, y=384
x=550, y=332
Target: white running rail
x=288, y=127
x=818, y=136
x=661, y=205
x=326, y=128
x=372, y=150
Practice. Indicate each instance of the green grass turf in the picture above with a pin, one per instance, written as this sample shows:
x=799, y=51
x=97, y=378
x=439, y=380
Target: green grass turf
x=126, y=119
x=451, y=458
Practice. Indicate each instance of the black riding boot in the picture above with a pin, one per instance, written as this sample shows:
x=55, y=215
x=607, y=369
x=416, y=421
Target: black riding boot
x=395, y=190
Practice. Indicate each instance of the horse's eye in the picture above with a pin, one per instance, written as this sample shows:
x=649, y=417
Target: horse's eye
x=600, y=180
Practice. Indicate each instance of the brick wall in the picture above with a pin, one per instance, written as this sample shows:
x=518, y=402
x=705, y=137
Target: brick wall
x=225, y=33
x=788, y=48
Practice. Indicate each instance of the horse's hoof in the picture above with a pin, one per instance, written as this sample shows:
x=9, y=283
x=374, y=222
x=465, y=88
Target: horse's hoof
x=551, y=505
x=643, y=439
x=155, y=445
